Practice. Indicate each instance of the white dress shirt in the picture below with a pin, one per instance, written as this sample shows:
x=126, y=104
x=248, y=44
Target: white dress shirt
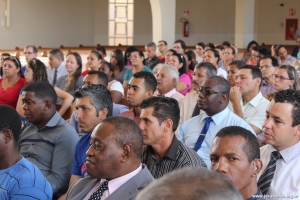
x=172, y=94
x=286, y=180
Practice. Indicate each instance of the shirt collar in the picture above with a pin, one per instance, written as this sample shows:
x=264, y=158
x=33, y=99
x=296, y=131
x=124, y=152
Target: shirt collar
x=61, y=66
x=289, y=153
x=52, y=122
x=217, y=118
x=255, y=101
x=170, y=93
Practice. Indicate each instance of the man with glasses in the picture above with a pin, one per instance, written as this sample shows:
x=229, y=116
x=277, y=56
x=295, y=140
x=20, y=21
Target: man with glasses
x=213, y=100
x=189, y=107
x=268, y=66
x=30, y=52
x=246, y=100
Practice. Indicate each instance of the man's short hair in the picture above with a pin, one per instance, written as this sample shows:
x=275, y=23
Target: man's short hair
x=210, y=45
x=100, y=97
x=163, y=108
x=264, y=51
x=222, y=84
x=226, y=43
x=173, y=72
x=149, y=79
x=34, y=49
x=292, y=97
x=127, y=131
x=220, y=47
x=42, y=90
x=251, y=146
x=10, y=119
x=151, y=45
x=163, y=42
x=238, y=63
x=255, y=72
x=182, y=43
x=273, y=59
x=211, y=70
x=101, y=75
x=192, y=184
x=201, y=44
x=57, y=54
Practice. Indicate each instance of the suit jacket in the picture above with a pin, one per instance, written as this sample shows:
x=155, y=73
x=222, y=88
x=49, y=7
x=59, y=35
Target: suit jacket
x=129, y=190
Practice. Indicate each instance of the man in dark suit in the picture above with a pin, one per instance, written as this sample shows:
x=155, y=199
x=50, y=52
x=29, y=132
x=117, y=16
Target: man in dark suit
x=113, y=163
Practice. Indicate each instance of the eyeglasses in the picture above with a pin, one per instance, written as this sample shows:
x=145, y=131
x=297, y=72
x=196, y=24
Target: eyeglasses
x=208, y=92
x=280, y=78
x=264, y=66
x=198, y=75
x=131, y=57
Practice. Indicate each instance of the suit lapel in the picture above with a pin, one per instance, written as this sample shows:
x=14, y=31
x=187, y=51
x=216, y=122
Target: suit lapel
x=89, y=186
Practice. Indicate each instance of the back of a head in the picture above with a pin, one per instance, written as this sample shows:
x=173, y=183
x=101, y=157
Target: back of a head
x=163, y=108
x=57, y=53
x=149, y=80
x=42, y=90
x=127, y=131
x=10, y=119
x=100, y=97
x=101, y=48
x=191, y=184
x=264, y=51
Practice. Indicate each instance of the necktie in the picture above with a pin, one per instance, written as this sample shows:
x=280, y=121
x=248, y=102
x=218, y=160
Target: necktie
x=196, y=111
x=202, y=134
x=99, y=192
x=55, y=78
x=265, y=179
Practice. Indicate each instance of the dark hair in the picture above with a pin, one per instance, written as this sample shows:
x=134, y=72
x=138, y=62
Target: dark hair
x=181, y=59
x=101, y=48
x=149, y=79
x=101, y=76
x=57, y=54
x=255, y=72
x=100, y=97
x=120, y=58
x=43, y=90
x=129, y=49
x=273, y=59
x=191, y=55
x=232, y=49
x=201, y=44
x=173, y=51
x=182, y=43
x=220, y=47
x=278, y=47
x=223, y=84
x=256, y=48
x=77, y=73
x=292, y=73
x=211, y=70
x=250, y=147
x=264, y=51
x=163, y=42
x=210, y=45
x=292, y=97
x=39, y=70
x=110, y=66
x=1, y=67
x=251, y=43
x=97, y=54
x=10, y=119
x=238, y=63
x=226, y=43
x=127, y=131
x=17, y=63
x=216, y=54
x=34, y=49
x=163, y=108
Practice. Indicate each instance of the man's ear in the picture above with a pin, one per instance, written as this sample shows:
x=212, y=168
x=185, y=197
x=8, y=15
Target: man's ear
x=297, y=130
x=256, y=167
x=149, y=93
x=47, y=105
x=127, y=151
x=168, y=125
x=103, y=114
x=7, y=135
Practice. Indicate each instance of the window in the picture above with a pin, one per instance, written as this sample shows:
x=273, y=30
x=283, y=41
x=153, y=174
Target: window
x=120, y=22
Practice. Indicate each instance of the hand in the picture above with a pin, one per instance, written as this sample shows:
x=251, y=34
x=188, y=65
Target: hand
x=235, y=95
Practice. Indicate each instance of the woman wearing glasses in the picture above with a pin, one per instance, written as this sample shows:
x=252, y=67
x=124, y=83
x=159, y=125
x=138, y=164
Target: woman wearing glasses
x=12, y=81
x=285, y=78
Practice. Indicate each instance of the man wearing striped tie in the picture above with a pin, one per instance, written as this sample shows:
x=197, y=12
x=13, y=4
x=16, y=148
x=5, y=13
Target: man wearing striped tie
x=279, y=176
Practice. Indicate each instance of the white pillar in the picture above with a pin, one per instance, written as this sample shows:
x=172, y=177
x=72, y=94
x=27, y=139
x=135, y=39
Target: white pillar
x=244, y=22
x=163, y=20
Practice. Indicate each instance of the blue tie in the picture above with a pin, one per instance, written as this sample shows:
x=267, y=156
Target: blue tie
x=202, y=134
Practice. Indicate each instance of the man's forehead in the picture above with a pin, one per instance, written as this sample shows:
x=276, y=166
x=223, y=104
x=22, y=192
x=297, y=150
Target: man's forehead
x=28, y=95
x=231, y=143
x=83, y=100
x=136, y=81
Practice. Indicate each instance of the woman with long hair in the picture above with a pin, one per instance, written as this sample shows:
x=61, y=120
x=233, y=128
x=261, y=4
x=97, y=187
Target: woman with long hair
x=286, y=77
x=250, y=46
x=117, y=61
x=12, y=81
x=71, y=82
x=93, y=62
x=36, y=72
x=184, y=82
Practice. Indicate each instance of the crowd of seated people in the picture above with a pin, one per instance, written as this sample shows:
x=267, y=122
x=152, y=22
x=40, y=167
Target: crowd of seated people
x=204, y=117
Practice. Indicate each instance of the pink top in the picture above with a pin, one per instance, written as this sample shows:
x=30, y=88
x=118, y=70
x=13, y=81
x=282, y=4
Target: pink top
x=185, y=79
x=190, y=74
x=10, y=96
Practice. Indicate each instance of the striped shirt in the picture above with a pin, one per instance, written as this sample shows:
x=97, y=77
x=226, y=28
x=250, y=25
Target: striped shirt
x=178, y=156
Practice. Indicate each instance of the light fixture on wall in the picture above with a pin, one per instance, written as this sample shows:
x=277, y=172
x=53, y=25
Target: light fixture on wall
x=7, y=13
